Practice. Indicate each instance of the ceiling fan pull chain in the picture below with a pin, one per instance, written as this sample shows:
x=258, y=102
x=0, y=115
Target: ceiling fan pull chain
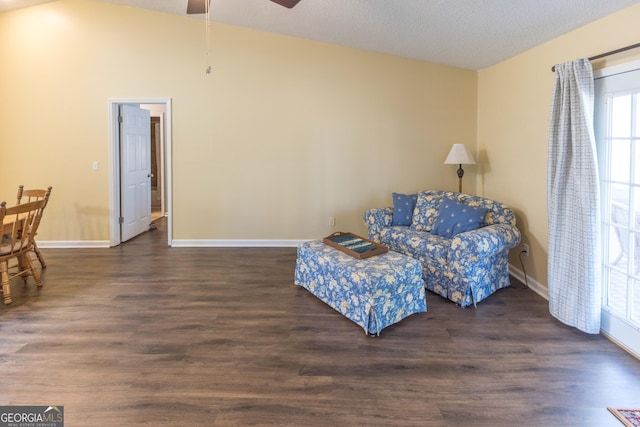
x=208, y=35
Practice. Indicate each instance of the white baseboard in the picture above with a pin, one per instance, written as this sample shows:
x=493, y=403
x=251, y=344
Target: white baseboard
x=71, y=244
x=178, y=243
x=235, y=243
x=534, y=285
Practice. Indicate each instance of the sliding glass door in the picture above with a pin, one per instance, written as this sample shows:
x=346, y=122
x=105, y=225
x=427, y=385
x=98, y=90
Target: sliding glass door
x=617, y=125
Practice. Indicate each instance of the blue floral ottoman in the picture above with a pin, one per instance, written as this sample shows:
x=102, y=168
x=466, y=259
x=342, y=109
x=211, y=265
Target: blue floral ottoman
x=374, y=292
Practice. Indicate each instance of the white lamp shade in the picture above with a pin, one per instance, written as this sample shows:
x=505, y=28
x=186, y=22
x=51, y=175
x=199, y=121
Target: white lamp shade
x=460, y=155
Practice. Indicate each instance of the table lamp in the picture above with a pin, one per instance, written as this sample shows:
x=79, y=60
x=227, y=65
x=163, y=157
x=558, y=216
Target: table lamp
x=460, y=155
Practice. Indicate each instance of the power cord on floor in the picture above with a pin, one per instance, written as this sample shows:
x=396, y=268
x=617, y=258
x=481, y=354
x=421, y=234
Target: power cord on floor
x=526, y=283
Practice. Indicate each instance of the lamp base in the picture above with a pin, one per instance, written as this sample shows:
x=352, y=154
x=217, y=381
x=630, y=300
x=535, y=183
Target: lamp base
x=460, y=174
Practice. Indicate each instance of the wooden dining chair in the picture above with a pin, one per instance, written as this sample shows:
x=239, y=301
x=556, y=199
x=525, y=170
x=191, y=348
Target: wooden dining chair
x=19, y=225
x=33, y=195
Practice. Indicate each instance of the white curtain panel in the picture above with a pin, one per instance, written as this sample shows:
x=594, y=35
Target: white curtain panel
x=573, y=201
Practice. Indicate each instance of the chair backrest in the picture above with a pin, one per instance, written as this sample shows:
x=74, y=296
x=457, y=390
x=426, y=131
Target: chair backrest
x=19, y=225
x=620, y=218
x=32, y=195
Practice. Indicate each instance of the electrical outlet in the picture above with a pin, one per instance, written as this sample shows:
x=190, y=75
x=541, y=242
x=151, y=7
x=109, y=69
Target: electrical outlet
x=332, y=221
x=525, y=249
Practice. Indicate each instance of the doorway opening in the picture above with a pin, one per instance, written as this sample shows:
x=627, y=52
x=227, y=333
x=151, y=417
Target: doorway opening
x=157, y=168
x=160, y=112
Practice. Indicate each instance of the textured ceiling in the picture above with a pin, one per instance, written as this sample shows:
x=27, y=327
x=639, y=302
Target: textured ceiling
x=472, y=34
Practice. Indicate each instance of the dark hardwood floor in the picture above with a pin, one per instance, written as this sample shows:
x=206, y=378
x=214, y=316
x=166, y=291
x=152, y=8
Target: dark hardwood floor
x=144, y=334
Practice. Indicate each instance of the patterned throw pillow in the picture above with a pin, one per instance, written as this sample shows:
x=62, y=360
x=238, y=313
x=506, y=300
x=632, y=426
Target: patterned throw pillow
x=454, y=218
x=426, y=210
x=403, y=205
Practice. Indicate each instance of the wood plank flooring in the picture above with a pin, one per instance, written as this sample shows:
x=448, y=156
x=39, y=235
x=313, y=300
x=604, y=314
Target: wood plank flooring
x=144, y=334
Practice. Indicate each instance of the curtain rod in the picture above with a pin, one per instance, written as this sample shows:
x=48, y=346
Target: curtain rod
x=602, y=55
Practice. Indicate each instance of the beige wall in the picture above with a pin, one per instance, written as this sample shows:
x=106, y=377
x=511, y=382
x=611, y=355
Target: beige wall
x=513, y=120
x=284, y=134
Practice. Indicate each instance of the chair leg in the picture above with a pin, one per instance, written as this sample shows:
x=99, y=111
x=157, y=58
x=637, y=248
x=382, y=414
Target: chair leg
x=618, y=258
x=39, y=255
x=35, y=273
x=24, y=269
x=27, y=269
x=6, y=288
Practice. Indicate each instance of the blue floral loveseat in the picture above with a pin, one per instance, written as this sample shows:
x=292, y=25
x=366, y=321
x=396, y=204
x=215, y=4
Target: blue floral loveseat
x=461, y=240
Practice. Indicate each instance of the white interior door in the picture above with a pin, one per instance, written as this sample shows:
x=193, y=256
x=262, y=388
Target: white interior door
x=135, y=189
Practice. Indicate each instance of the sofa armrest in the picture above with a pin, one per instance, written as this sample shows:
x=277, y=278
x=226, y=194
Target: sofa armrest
x=376, y=220
x=483, y=242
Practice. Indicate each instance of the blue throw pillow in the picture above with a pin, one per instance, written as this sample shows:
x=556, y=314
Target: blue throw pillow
x=454, y=218
x=403, y=205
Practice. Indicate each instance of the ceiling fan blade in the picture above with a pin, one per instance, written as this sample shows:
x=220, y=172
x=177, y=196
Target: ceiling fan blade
x=286, y=3
x=197, y=6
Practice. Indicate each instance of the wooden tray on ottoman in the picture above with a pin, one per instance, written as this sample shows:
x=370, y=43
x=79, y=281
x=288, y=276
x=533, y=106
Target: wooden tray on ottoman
x=356, y=246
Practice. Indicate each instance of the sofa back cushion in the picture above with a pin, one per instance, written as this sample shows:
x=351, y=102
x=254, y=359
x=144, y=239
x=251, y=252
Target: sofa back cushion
x=428, y=206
